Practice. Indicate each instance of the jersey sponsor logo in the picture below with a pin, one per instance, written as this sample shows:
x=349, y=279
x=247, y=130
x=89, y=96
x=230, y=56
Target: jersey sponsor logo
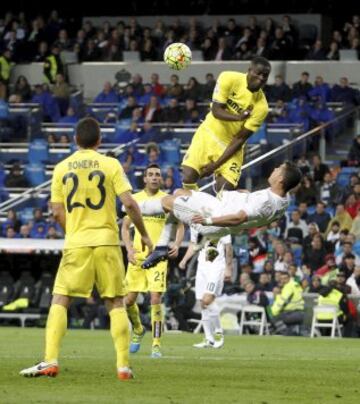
x=233, y=105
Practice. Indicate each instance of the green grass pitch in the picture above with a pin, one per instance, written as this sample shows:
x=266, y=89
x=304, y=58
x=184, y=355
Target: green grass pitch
x=248, y=369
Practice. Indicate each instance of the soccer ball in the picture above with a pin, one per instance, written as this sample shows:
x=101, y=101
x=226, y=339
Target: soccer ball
x=177, y=56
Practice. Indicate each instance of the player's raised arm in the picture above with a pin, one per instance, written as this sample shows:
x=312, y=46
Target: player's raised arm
x=133, y=211
x=222, y=221
x=220, y=112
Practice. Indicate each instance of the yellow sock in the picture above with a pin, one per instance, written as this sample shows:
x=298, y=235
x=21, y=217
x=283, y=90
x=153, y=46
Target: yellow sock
x=134, y=317
x=119, y=328
x=56, y=326
x=191, y=187
x=156, y=323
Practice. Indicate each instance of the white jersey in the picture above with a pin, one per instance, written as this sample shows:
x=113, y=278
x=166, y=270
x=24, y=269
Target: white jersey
x=261, y=207
x=210, y=275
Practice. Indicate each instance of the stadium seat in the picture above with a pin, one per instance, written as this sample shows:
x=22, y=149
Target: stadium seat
x=334, y=324
x=342, y=179
x=348, y=55
x=259, y=322
x=35, y=174
x=38, y=151
x=356, y=247
x=170, y=151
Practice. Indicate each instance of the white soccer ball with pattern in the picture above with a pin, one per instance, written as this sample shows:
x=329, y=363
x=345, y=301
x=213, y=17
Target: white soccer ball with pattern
x=177, y=56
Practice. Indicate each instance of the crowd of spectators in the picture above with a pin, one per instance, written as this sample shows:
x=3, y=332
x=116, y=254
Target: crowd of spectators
x=32, y=40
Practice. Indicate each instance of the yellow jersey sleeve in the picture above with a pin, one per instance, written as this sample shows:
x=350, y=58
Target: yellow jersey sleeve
x=222, y=88
x=57, y=195
x=257, y=116
x=120, y=180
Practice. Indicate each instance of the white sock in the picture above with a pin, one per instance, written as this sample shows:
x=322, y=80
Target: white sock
x=214, y=314
x=151, y=207
x=168, y=231
x=205, y=318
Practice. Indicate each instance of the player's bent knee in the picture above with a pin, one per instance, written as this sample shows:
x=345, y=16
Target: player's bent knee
x=114, y=303
x=155, y=298
x=61, y=300
x=190, y=176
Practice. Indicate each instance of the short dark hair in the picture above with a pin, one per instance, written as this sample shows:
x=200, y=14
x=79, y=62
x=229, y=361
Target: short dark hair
x=259, y=60
x=87, y=132
x=153, y=165
x=305, y=74
x=292, y=176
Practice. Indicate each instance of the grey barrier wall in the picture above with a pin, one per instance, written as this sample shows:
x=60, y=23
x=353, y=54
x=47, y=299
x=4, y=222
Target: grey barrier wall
x=93, y=75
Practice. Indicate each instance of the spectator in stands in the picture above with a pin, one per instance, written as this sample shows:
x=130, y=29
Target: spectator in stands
x=107, y=95
x=329, y=191
x=22, y=88
x=303, y=210
x=158, y=89
x=317, y=51
x=90, y=53
x=321, y=114
x=334, y=234
x=148, y=51
x=24, y=231
x=265, y=284
x=346, y=249
x=152, y=154
x=355, y=228
x=137, y=84
x=192, y=89
x=302, y=87
x=169, y=185
x=333, y=53
x=355, y=45
x=354, y=282
x=319, y=169
x=10, y=232
x=320, y=217
x=341, y=216
x=304, y=164
x=175, y=89
x=313, y=229
x=261, y=48
x=52, y=234
x=328, y=271
x=208, y=49
x=222, y=51
x=208, y=87
x=172, y=113
x=347, y=265
x=6, y=65
x=152, y=111
x=61, y=91
x=306, y=192
x=297, y=229
x=243, y=52
x=11, y=221
x=352, y=205
x=354, y=152
x=70, y=117
x=280, y=47
x=288, y=307
x=315, y=285
x=255, y=295
x=53, y=65
x=321, y=90
x=279, y=90
x=15, y=179
x=42, y=52
x=127, y=112
x=63, y=41
x=342, y=92
x=64, y=139
x=38, y=230
x=300, y=113
x=314, y=257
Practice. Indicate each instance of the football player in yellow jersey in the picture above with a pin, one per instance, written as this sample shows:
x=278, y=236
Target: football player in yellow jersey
x=83, y=195
x=238, y=109
x=153, y=280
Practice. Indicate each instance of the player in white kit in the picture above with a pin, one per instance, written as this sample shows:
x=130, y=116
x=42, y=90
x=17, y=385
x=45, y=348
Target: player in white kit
x=228, y=214
x=209, y=282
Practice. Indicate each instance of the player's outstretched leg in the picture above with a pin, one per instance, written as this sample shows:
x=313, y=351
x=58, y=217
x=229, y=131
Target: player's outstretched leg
x=55, y=330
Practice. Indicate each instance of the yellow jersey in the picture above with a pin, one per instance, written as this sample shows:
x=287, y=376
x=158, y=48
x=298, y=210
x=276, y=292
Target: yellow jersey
x=231, y=89
x=153, y=224
x=87, y=183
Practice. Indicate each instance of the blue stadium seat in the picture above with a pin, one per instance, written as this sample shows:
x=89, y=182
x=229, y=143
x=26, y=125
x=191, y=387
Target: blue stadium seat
x=38, y=151
x=311, y=210
x=170, y=151
x=26, y=215
x=35, y=174
x=343, y=179
x=297, y=252
x=2, y=177
x=259, y=136
x=356, y=247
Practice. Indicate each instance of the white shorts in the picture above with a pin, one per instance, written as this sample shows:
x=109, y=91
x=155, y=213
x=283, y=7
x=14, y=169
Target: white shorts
x=209, y=278
x=185, y=207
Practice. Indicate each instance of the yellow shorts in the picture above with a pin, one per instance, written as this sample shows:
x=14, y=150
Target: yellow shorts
x=206, y=147
x=146, y=280
x=82, y=268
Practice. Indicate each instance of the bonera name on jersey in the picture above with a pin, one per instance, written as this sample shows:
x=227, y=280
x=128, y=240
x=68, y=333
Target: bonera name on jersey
x=74, y=165
x=233, y=105
x=156, y=217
